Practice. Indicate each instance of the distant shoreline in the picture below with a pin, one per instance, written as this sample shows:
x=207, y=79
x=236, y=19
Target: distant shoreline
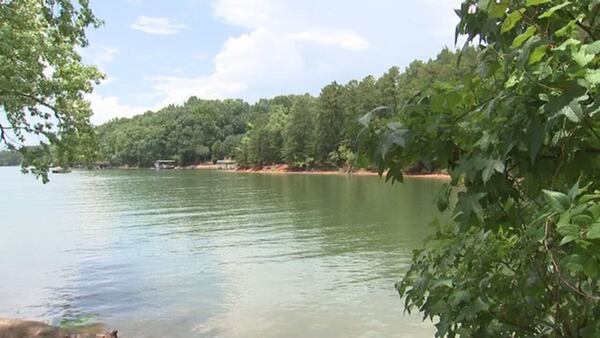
x=283, y=170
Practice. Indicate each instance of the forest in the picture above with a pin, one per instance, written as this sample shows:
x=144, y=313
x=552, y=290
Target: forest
x=302, y=131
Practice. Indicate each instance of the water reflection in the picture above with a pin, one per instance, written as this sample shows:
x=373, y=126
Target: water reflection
x=195, y=253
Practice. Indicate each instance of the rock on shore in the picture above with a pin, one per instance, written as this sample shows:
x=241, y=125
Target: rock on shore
x=16, y=328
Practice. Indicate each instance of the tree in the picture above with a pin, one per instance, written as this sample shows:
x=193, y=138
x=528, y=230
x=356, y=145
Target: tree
x=299, y=132
x=329, y=121
x=42, y=79
x=520, y=138
x=387, y=86
x=10, y=158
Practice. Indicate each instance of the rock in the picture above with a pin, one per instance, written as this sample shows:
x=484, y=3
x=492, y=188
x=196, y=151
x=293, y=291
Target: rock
x=16, y=328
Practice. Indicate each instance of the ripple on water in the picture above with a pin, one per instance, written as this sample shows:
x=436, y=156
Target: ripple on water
x=194, y=253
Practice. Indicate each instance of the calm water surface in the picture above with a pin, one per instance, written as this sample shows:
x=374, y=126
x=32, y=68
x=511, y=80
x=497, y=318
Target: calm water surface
x=212, y=254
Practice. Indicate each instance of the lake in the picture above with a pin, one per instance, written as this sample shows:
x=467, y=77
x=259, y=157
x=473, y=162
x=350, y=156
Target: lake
x=196, y=253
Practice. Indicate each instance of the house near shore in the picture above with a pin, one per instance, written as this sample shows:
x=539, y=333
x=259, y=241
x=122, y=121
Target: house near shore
x=227, y=164
x=164, y=164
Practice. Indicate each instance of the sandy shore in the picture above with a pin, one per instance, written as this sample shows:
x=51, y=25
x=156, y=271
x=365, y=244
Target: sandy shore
x=283, y=169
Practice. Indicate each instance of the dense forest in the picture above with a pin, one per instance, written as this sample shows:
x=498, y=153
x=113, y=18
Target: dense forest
x=300, y=130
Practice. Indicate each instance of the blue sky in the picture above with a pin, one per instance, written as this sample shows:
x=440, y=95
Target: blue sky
x=157, y=52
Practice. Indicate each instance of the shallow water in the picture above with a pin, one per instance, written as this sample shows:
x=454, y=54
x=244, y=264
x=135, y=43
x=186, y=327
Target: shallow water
x=212, y=254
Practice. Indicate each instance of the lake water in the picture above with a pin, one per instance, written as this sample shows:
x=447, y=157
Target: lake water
x=212, y=254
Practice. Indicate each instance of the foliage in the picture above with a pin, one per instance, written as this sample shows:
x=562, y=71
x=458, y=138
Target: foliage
x=520, y=137
x=42, y=79
x=329, y=121
x=301, y=130
x=298, y=132
x=187, y=133
x=10, y=158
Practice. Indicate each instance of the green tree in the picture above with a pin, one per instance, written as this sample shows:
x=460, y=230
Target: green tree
x=42, y=79
x=10, y=158
x=266, y=138
x=299, y=131
x=520, y=138
x=388, y=86
x=329, y=122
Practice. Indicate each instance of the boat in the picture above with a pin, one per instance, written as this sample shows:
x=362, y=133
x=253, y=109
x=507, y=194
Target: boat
x=164, y=164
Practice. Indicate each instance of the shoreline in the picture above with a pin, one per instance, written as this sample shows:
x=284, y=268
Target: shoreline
x=283, y=170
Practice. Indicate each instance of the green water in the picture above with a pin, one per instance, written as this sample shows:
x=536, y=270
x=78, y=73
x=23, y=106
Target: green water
x=212, y=254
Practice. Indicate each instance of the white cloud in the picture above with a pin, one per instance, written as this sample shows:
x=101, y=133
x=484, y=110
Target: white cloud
x=276, y=53
x=345, y=39
x=157, y=25
x=100, y=56
x=244, y=61
x=177, y=89
x=248, y=13
x=106, y=108
x=271, y=54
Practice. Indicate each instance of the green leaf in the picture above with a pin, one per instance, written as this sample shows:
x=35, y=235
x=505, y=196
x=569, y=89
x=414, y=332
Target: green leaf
x=594, y=231
x=538, y=54
x=574, y=191
x=483, y=5
x=582, y=57
x=582, y=219
x=567, y=239
x=568, y=230
x=491, y=165
x=459, y=297
x=498, y=9
x=572, y=111
x=570, y=42
x=557, y=200
x=593, y=48
x=568, y=29
x=518, y=41
x=550, y=12
x=514, y=78
x=530, y=3
x=365, y=120
x=511, y=20
x=592, y=269
x=593, y=76
x=444, y=282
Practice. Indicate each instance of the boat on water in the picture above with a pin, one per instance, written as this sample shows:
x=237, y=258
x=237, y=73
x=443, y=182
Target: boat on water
x=164, y=164
x=60, y=170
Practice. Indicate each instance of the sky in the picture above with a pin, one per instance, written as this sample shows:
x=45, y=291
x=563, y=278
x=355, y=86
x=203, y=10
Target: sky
x=156, y=52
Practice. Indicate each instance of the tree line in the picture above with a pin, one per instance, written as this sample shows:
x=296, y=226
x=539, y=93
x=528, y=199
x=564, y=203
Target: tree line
x=10, y=158
x=300, y=130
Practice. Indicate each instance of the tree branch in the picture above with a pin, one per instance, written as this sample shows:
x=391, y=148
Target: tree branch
x=559, y=274
x=31, y=97
x=585, y=28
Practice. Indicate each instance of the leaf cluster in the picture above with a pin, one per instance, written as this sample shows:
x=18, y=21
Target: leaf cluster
x=513, y=135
